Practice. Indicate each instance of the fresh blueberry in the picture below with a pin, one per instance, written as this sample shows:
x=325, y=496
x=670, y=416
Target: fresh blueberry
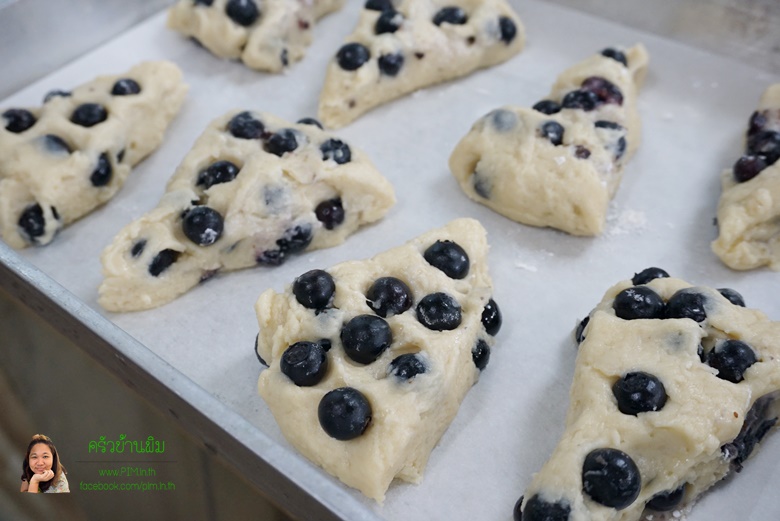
x=55, y=144
x=310, y=121
x=57, y=93
x=491, y=318
x=314, y=289
x=611, y=125
x=580, y=152
x=243, y=12
x=606, y=91
x=125, y=87
x=666, y=500
x=482, y=185
x=616, y=55
x=305, y=363
x=553, y=131
x=217, y=173
x=638, y=302
x=389, y=296
x=162, y=261
x=480, y=354
x=294, y=240
x=32, y=223
x=439, y=312
x=18, y=120
x=517, y=511
x=639, y=392
x=89, y=115
x=203, y=2
x=732, y=296
x=203, y=225
x=102, y=173
x=344, y=413
x=257, y=351
x=686, y=303
x=579, y=333
x=388, y=22
x=352, y=56
x=765, y=143
x=537, y=509
x=580, y=99
x=336, y=150
x=379, y=5
x=365, y=338
x=502, y=120
x=508, y=29
x=449, y=257
x=330, y=213
x=758, y=122
x=450, y=15
x=244, y=126
x=406, y=367
x=138, y=248
x=285, y=140
x=648, y=274
x=390, y=64
x=748, y=166
x=547, y=106
x=732, y=358
x=611, y=478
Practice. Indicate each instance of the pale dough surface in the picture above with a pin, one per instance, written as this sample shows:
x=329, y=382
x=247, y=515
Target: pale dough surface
x=278, y=38
x=432, y=54
x=681, y=443
x=409, y=416
x=270, y=196
x=58, y=181
x=506, y=164
x=749, y=212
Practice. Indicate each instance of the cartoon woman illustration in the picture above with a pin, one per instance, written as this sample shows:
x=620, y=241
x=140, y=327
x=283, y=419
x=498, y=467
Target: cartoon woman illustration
x=42, y=469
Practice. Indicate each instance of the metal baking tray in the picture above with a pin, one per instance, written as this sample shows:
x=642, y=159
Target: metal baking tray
x=193, y=358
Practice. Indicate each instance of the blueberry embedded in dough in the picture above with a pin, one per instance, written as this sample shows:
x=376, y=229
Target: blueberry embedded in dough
x=314, y=289
x=547, y=106
x=439, y=312
x=217, y=173
x=491, y=318
x=336, y=150
x=539, y=509
x=449, y=257
x=305, y=363
x=687, y=303
x=352, y=56
x=344, y=413
x=732, y=296
x=56, y=93
x=330, y=213
x=731, y=358
x=480, y=354
x=103, y=171
x=202, y=225
x=639, y=302
x=242, y=12
x=284, y=141
x=451, y=15
x=89, y=115
x=389, y=296
x=637, y=392
x=406, y=367
x=611, y=478
x=615, y=54
x=126, y=87
x=18, y=120
x=552, y=131
x=365, y=338
x=648, y=274
x=245, y=126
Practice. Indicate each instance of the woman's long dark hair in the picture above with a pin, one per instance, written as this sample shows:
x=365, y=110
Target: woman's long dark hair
x=57, y=467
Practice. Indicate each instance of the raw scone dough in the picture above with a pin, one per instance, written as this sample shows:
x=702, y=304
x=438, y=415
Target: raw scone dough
x=561, y=167
x=749, y=207
x=713, y=416
x=58, y=162
x=399, y=46
x=410, y=409
x=266, y=35
x=253, y=190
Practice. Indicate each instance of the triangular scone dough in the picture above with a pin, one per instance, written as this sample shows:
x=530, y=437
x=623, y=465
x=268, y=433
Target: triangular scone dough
x=561, y=167
x=58, y=162
x=400, y=46
x=749, y=207
x=716, y=405
x=252, y=190
x=409, y=412
x=266, y=35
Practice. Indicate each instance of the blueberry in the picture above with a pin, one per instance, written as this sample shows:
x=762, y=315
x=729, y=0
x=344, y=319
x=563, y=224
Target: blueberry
x=758, y=122
x=439, y=312
x=390, y=64
x=406, y=367
x=138, y=248
x=330, y=213
x=120, y=156
x=611, y=478
x=732, y=358
x=606, y=91
x=365, y=338
x=579, y=333
x=483, y=185
x=648, y=274
x=125, y=87
x=352, y=56
x=305, y=363
x=310, y=121
x=18, y=120
x=547, y=106
x=503, y=120
x=450, y=15
x=639, y=392
x=101, y=176
x=611, y=125
x=217, y=173
x=580, y=99
x=537, y=509
x=257, y=351
x=638, y=302
x=344, y=413
x=389, y=296
x=162, y=261
x=749, y=166
x=314, y=289
x=379, y=5
x=244, y=126
x=243, y=12
x=580, y=152
x=666, y=500
x=517, y=512
x=491, y=318
x=89, y=115
x=480, y=354
x=55, y=144
x=765, y=143
x=449, y=257
x=553, y=131
x=285, y=140
x=732, y=296
x=388, y=22
x=284, y=56
x=203, y=2
x=57, y=93
x=508, y=29
x=616, y=55
x=32, y=223
x=203, y=225
x=295, y=239
x=686, y=303
x=336, y=150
